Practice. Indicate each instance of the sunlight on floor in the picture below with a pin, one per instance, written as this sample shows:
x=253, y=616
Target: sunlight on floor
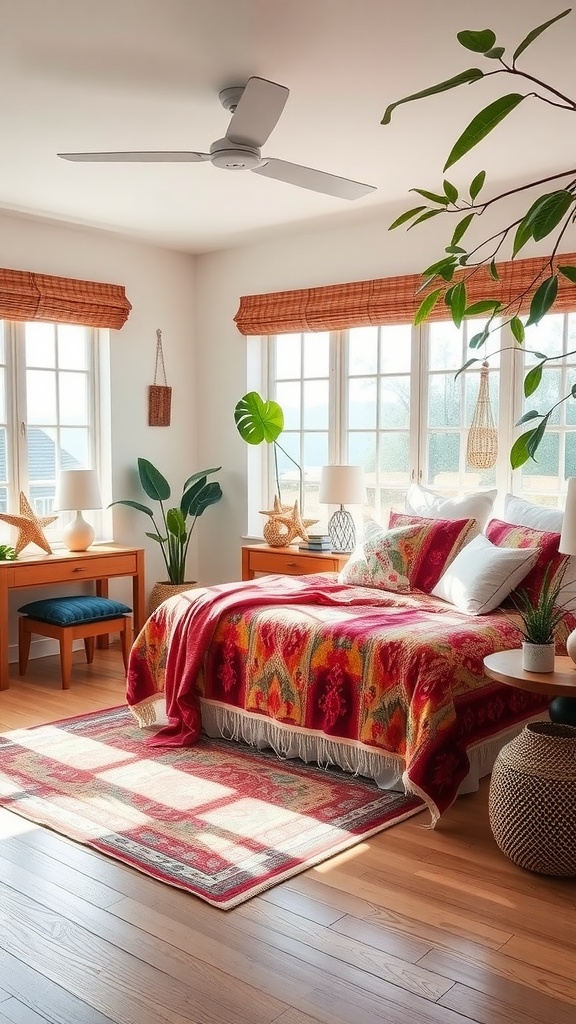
x=12, y=825
x=166, y=785
x=74, y=751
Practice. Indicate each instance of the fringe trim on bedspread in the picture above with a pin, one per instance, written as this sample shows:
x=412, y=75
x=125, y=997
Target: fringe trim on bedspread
x=286, y=741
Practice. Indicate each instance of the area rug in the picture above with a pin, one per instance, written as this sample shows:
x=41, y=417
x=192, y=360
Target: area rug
x=221, y=820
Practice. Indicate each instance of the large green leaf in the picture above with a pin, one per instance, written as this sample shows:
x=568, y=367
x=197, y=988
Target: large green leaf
x=258, y=420
x=543, y=299
x=461, y=228
x=569, y=272
x=176, y=523
x=434, y=197
x=198, y=476
x=406, y=216
x=427, y=305
x=477, y=184
x=451, y=191
x=483, y=306
x=520, y=452
x=478, y=42
x=481, y=125
x=554, y=208
x=471, y=75
x=517, y=328
x=532, y=380
x=458, y=303
x=209, y=495
x=133, y=504
x=153, y=483
x=535, y=33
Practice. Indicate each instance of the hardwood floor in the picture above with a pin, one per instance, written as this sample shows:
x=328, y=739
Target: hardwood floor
x=419, y=926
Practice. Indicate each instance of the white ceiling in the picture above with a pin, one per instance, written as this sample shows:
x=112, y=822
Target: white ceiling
x=145, y=75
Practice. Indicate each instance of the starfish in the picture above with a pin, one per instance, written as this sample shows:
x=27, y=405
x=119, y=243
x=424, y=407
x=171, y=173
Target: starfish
x=297, y=526
x=278, y=510
x=30, y=526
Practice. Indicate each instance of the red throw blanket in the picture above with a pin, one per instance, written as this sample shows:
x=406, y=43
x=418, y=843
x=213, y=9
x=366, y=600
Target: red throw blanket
x=194, y=630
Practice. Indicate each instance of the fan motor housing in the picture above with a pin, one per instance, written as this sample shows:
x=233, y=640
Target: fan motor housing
x=233, y=156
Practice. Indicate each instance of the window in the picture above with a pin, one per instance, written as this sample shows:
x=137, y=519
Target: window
x=386, y=398
x=49, y=411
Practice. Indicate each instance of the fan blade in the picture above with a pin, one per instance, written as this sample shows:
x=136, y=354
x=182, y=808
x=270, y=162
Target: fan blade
x=257, y=113
x=318, y=181
x=138, y=158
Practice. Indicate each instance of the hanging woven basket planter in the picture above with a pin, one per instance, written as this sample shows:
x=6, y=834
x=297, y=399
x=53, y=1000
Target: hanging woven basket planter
x=482, y=447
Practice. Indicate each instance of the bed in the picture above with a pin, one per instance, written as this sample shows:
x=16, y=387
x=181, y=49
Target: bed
x=383, y=683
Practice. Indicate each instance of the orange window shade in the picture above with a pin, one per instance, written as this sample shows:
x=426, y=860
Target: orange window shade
x=28, y=296
x=391, y=300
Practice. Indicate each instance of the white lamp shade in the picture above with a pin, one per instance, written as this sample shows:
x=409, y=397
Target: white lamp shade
x=567, y=545
x=77, y=489
x=342, y=485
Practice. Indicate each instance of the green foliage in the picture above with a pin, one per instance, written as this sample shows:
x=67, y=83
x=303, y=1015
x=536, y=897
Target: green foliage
x=258, y=420
x=541, y=620
x=197, y=495
x=7, y=553
x=549, y=216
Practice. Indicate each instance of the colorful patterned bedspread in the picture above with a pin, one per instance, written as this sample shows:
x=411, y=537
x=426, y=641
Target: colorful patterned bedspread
x=396, y=673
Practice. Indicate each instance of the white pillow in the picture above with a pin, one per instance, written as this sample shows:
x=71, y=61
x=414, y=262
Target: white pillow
x=421, y=501
x=520, y=512
x=482, y=575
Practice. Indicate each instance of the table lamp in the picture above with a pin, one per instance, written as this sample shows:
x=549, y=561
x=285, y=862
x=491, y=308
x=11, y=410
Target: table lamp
x=567, y=546
x=77, y=489
x=342, y=485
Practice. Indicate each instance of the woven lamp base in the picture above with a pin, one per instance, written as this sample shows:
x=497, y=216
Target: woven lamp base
x=342, y=531
x=532, y=800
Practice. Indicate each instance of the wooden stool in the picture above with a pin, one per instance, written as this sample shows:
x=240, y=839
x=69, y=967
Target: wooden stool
x=73, y=625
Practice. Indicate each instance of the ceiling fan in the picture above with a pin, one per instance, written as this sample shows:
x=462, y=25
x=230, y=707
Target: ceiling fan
x=256, y=109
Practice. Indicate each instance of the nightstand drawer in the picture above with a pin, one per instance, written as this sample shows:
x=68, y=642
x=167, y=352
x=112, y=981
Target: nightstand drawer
x=260, y=558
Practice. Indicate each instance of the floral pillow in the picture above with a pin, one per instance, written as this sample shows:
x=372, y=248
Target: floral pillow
x=404, y=557
x=508, y=535
x=441, y=541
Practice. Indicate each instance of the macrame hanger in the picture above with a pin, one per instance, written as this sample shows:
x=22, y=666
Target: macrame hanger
x=482, y=447
x=160, y=395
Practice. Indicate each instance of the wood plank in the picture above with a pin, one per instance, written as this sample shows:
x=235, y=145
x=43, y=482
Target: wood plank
x=42, y=995
x=551, y=956
x=527, y=983
x=121, y=986
x=486, y=1008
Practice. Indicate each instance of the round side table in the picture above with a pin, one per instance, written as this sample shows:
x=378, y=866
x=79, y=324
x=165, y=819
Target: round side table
x=532, y=801
x=560, y=685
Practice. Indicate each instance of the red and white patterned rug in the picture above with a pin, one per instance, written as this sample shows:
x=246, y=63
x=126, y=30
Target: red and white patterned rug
x=220, y=819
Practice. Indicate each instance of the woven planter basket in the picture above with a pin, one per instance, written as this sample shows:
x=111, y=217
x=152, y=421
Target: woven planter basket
x=533, y=799
x=162, y=591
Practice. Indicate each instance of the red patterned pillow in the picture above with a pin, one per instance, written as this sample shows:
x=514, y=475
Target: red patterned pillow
x=507, y=535
x=440, y=542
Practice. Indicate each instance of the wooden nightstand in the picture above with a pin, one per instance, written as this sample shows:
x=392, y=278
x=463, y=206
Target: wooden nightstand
x=288, y=561
x=560, y=685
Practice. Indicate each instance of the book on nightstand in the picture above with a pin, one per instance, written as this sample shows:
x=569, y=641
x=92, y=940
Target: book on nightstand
x=316, y=542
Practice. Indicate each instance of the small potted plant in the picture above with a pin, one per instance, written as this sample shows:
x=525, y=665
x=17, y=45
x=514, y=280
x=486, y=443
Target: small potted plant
x=539, y=622
x=177, y=523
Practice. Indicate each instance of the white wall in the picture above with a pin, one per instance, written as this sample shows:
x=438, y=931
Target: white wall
x=160, y=286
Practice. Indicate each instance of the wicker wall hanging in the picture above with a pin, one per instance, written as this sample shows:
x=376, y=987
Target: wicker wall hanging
x=482, y=448
x=160, y=395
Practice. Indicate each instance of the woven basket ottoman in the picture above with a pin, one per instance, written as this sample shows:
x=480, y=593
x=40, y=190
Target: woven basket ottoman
x=67, y=619
x=532, y=800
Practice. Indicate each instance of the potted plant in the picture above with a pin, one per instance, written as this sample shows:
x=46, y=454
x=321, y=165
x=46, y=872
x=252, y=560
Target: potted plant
x=539, y=622
x=177, y=522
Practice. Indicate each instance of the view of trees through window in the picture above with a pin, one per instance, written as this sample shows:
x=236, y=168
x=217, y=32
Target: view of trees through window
x=387, y=398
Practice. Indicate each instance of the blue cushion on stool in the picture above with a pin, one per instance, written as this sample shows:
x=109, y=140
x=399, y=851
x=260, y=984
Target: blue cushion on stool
x=67, y=611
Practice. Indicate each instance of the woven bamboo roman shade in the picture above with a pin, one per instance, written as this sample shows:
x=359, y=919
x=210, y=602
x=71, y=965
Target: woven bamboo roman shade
x=27, y=296
x=387, y=300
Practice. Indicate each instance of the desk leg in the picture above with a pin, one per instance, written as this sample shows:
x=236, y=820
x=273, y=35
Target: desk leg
x=138, y=593
x=4, y=645
x=102, y=642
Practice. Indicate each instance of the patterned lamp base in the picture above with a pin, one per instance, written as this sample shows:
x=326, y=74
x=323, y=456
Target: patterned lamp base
x=342, y=531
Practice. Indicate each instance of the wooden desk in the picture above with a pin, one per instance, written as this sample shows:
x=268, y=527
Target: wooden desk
x=506, y=667
x=100, y=563
x=288, y=561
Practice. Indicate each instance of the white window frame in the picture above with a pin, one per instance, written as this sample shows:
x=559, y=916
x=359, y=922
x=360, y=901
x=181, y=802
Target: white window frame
x=99, y=428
